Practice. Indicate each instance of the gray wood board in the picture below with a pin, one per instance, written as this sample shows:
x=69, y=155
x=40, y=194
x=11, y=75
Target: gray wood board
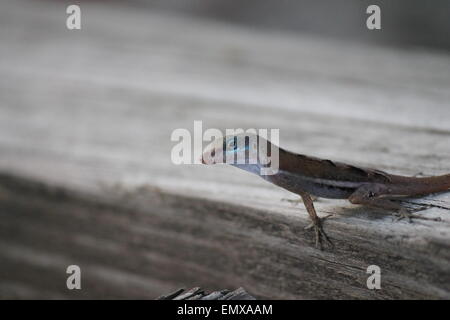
x=89, y=113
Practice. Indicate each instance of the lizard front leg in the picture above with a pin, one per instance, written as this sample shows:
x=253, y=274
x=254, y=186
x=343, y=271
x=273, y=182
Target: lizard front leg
x=371, y=194
x=316, y=222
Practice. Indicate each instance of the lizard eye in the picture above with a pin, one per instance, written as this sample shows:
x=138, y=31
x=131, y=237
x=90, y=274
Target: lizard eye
x=232, y=144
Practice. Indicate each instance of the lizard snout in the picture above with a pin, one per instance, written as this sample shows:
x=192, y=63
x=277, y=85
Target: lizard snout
x=212, y=153
x=208, y=157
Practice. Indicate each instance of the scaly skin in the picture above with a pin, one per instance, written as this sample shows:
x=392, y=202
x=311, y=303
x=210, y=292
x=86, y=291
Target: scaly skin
x=308, y=176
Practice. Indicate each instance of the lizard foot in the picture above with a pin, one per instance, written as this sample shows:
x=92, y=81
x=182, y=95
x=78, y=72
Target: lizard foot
x=405, y=214
x=320, y=233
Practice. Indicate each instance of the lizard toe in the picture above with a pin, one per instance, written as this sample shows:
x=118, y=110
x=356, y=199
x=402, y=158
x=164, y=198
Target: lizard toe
x=320, y=234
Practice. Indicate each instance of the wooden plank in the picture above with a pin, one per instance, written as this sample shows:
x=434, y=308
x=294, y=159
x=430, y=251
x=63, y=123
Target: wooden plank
x=87, y=178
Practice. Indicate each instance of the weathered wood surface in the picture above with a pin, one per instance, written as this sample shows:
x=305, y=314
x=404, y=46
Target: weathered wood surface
x=197, y=293
x=86, y=176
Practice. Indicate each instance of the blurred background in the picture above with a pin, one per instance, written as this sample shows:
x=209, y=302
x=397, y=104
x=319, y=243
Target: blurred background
x=405, y=23
x=86, y=118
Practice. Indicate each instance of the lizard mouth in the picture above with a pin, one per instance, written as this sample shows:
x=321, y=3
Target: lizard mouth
x=208, y=156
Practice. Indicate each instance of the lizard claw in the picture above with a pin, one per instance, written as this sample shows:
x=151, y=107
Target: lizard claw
x=319, y=232
x=403, y=214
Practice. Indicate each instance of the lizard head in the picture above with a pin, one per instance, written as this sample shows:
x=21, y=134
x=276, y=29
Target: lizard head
x=246, y=151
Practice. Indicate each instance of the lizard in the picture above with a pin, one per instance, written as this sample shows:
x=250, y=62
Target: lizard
x=310, y=177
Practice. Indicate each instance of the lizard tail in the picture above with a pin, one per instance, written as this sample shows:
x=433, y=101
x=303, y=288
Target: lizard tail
x=430, y=184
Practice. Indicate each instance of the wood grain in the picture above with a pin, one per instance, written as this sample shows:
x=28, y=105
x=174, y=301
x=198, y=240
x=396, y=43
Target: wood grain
x=86, y=177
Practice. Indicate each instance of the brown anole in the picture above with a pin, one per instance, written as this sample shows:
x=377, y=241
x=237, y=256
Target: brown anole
x=309, y=176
